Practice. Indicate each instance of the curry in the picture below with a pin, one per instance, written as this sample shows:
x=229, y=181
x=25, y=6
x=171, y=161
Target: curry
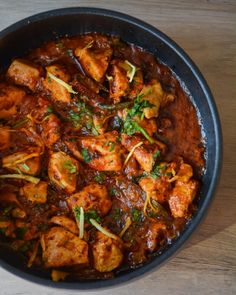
x=101, y=157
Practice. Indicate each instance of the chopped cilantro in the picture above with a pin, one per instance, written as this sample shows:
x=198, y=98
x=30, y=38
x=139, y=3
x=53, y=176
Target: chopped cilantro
x=112, y=191
x=117, y=214
x=156, y=155
x=100, y=177
x=139, y=106
x=49, y=110
x=158, y=171
x=137, y=215
x=70, y=166
x=86, y=156
x=111, y=144
x=90, y=214
x=131, y=127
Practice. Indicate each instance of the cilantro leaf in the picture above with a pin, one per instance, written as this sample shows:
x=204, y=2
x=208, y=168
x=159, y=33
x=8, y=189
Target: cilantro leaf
x=70, y=166
x=90, y=214
x=137, y=215
x=86, y=156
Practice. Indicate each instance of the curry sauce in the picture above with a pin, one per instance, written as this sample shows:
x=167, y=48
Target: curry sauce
x=101, y=157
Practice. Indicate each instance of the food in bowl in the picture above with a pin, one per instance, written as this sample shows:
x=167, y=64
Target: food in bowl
x=101, y=157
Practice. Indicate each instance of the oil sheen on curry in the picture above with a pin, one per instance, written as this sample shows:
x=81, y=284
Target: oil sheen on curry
x=101, y=157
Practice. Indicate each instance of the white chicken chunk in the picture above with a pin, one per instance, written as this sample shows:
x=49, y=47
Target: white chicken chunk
x=156, y=96
x=107, y=151
x=24, y=73
x=50, y=130
x=93, y=197
x=59, y=92
x=95, y=59
x=10, y=99
x=118, y=81
x=184, y=191
x=107, y=253
x=26, y=161
x=62, y=170
x=144, y=154
x=36, y=193
x=62, y=248
x=65, y=222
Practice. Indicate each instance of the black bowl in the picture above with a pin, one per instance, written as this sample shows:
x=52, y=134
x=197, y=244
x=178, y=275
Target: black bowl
x=31, y=32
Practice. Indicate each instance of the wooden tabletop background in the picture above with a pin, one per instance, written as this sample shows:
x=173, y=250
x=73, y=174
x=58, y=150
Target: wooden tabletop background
x=206, y=30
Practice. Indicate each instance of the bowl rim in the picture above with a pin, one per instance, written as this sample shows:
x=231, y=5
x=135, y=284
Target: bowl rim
x=201, y=213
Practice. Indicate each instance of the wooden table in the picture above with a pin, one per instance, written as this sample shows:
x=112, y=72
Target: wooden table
x=207, y=31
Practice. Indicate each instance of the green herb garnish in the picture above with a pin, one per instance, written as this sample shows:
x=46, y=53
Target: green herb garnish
x=158, y=171
x=70, y=166
x=86, y=156
x=139, y=106
x=49, y=110
x=90, y=214
x=156, y=155
x=137, y=215
x=131, y=127
x=25, y=167
x=100, y=177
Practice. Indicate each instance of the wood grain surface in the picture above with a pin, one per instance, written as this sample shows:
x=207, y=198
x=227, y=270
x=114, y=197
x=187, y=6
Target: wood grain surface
x=206, y=30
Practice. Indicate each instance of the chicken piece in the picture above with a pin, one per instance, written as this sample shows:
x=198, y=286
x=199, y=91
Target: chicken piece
x=137, y=84
x=36, y=193
x=154, y=93
x=62, y=170
x=94, y=59
x=92, y=197
x=62, y=248
x=5, y=137
x=10, y=99
x=144, y=154
x=107, y=253
x=65, y=222
x=155, y=228
x=184, y=191
x=58, y=92
x=100, y=122
x=27, y=161
x=50, y=130
x=185, y=172
x=42, y=109
x=24, y=73
x=118, y=81
x=159, y=188
x=149, y=125
x=105, y=151
x=131, y=168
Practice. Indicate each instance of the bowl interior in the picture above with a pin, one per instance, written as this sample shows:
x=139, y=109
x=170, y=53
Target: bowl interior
x=30, y=33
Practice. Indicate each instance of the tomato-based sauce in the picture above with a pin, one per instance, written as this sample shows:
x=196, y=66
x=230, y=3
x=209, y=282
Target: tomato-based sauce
x=101, y=157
